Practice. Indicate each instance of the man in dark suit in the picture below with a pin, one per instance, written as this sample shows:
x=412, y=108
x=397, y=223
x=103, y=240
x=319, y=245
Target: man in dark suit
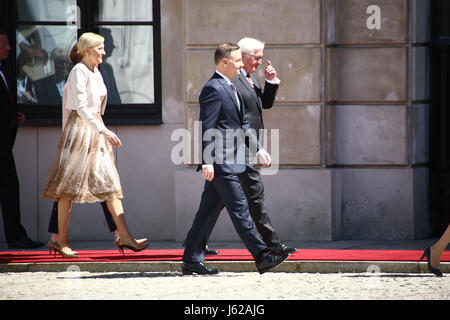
x=222, y=117
x=257, y=98
x=16, y=235
x=49, y=90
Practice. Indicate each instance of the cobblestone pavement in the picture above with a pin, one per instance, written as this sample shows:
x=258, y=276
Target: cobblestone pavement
x=76, y=285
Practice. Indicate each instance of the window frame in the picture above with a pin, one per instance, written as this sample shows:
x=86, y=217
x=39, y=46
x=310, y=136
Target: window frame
x=115, y=114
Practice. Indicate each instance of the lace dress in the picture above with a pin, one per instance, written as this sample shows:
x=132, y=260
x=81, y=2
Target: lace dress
x=83, y=169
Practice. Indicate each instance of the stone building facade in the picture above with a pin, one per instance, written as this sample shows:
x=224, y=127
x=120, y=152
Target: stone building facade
x=351, y=110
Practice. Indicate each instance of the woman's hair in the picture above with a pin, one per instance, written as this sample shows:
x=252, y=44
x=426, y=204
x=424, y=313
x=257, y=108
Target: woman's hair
x=75, y=56
x=86, y=40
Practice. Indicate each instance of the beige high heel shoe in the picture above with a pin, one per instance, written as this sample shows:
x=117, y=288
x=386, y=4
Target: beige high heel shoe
x=50, y=247
x=136, y=248
x=65, y=252
x=138, y=241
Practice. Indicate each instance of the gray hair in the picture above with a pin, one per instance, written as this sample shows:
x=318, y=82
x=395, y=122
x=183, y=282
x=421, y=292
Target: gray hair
x=250, y=45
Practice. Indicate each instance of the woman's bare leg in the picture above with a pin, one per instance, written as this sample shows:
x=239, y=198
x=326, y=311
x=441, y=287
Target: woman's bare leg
x=116, y=209
x=64, y=208
x=437, y=249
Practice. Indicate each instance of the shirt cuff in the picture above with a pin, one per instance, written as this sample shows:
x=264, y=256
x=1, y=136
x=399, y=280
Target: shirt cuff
x=274, y=81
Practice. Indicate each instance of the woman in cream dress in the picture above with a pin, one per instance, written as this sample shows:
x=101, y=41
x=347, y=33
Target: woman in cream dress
x=84, y=170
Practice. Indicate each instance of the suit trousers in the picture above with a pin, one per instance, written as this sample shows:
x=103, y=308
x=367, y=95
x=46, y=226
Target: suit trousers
x=53, y=224
x=253, y=187
x=223, y=191
x=10, y=199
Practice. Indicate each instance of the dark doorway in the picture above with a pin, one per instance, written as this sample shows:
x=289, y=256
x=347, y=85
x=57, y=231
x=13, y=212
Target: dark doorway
x=440, y=117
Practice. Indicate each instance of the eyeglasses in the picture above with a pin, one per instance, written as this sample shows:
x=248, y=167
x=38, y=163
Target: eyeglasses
x=256, y=58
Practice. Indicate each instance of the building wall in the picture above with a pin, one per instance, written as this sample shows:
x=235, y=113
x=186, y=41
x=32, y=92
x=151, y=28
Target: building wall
x=352, y=114
x=352, y=110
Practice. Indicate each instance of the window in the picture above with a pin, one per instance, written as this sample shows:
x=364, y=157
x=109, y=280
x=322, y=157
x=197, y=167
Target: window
x=45, y=32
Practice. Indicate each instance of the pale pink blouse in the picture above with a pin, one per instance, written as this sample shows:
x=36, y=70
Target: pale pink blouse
x=84, y=92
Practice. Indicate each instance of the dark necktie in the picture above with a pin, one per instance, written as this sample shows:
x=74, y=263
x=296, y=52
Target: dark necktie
x=233, y=88
x=250, y=81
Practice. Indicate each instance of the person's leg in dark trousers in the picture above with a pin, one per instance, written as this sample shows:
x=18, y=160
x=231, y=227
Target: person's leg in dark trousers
x=253, y=187
x=10, y=199
x=210, y=206
x=224, y=189
x=108, y=217
x=215, y=211
x=53, y=224
x=254, y=190
x=235, y=201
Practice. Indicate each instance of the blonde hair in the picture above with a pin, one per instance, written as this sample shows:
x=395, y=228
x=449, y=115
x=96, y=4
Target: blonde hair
x=86, y=40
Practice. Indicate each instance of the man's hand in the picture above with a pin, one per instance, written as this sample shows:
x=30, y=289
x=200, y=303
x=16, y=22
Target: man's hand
x=270, y=73
x=208, y=172
x=264, y=157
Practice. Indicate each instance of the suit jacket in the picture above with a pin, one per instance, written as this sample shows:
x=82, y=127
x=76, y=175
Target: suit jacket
x=221, y=115
x=255, y=99
x=47, y=92
x=8, y=112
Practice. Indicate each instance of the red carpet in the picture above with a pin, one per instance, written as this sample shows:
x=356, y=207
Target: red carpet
x=226, y=255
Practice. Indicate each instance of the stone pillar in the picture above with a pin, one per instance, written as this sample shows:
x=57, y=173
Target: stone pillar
x=377, y=109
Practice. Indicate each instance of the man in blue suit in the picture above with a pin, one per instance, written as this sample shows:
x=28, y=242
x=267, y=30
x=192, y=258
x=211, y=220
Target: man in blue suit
x=222, y=116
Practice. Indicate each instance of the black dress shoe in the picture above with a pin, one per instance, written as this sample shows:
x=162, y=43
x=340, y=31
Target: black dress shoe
x=210, y=252
x=197, y=267
x=25, y=243
x=281, y=248
x=268, y=261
